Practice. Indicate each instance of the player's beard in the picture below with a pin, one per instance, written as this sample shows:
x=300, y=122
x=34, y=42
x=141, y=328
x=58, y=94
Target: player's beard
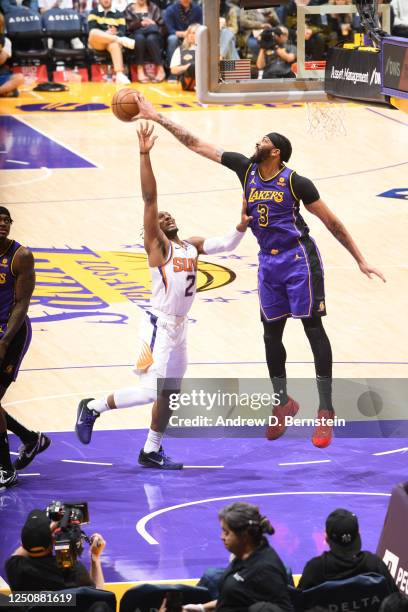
x=171, y=233
x=259, y=156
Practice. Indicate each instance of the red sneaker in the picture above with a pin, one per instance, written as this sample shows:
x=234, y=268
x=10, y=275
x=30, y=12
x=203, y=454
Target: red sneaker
x=289, y=409
x=323, y=434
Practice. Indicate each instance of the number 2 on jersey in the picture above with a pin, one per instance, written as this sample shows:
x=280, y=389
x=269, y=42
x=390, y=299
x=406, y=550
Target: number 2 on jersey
x=263, y=215
x=190, y=284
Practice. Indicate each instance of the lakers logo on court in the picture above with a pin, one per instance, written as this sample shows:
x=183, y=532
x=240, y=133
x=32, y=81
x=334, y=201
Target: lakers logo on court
x=74, y=283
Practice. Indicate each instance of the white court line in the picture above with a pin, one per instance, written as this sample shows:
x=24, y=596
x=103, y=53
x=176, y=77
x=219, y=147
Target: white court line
x=35, y=474
x=141, y=524
x=3, y=584
x=397, y=450
x=160, y=92
x=306, y=462
x=15, y=161
x=36, y=129
x=12, y=453
x=86, y=462
x=47, y=174
x=214, y=467
x=49, y=397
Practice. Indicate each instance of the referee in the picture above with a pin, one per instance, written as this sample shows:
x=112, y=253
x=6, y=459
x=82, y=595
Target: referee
x=290, y=274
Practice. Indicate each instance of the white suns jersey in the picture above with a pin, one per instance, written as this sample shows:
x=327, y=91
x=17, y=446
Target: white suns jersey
x=174, y=285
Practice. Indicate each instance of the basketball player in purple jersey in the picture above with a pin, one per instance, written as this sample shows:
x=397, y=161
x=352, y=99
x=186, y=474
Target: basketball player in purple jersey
x=290, y=274
x=17, y=280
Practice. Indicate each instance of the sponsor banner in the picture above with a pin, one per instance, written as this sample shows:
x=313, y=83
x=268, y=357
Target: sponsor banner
x=353, y=74
x=395, y=66
x=393, y=544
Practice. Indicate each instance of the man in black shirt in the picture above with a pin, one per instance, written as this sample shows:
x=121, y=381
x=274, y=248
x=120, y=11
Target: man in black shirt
x=345, y=558
x=290, y=275
x=32, y=567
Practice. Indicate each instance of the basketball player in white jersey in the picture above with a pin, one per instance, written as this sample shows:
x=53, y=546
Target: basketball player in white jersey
x=162, y=359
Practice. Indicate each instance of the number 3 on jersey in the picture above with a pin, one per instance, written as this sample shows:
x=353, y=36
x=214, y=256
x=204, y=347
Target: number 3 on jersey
x=263, y=215
x=190, y=284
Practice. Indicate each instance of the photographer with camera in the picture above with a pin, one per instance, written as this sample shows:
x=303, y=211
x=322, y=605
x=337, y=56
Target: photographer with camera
x=35, y=567
x=276, y=54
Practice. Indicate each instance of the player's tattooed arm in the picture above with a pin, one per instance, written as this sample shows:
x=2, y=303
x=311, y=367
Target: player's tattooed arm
x=339, y=231
x=148, y=111
x=191, y=141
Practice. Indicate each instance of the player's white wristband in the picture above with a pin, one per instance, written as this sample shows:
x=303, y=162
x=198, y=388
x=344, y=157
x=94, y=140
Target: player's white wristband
x=224, y=243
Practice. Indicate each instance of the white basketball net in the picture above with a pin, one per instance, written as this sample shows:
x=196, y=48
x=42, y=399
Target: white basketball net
x=325, y=119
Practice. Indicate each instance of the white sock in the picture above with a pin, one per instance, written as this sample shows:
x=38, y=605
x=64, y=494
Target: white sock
x=153, y=441
x=100, y=405
x=134, y=396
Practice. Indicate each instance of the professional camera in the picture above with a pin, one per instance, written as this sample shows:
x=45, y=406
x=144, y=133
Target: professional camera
x=268, y=39
x=68, y=536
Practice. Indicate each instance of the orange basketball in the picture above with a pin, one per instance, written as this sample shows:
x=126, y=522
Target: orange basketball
x=124, y=105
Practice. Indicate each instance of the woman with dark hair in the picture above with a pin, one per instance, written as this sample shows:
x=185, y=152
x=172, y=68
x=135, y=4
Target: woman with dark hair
x=144, y=22
x=256, y=572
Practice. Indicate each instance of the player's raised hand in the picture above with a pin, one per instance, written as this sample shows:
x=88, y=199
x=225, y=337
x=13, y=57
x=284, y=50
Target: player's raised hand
x=245, y=219
x=369, y=271
x=146, y=108
x=146, y=137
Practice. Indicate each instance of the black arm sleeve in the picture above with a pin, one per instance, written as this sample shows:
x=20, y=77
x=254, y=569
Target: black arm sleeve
x=236, y=162
x=304, y=189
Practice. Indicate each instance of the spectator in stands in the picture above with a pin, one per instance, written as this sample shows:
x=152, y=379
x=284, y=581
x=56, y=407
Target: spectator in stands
x=9, y=82
x=248, y=26
x=400, y=27
x=144, y=22
x=182, y=63
x=7, y=5
x=107, y=33
x=256, y=573
x=396, y=602
x=341, y=25
x=33, y=567
x=228, y=50
x=345, y=558
x=276, y=54
x=177, y=17
x=315, y=46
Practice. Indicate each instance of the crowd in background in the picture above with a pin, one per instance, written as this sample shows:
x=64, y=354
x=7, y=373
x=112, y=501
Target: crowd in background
x=157, y=33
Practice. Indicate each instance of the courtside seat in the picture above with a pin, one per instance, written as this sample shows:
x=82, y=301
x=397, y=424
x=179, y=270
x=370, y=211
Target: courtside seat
x=24, y=29
x=85, y=598
x=147, y=596
x=63, y=26
x=364, y=593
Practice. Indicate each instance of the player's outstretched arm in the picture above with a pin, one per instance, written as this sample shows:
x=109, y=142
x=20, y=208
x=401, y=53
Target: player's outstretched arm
x=155, y=242
x=222, y=244
x=336, y=227
x=147, y=111
x=23, y=269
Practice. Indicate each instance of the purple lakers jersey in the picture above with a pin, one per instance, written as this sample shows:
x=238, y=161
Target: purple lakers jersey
x=7, y=281
x=277, y=223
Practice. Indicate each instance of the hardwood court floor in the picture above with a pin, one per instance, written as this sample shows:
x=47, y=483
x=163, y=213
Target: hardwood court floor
x=81, y=213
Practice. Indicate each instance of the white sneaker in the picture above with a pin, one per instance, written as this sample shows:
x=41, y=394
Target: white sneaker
x=121, y=79
x=76, y=43
x=127, y=42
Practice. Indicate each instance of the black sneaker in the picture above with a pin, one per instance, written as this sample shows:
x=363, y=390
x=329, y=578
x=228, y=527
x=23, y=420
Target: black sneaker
x=8, y=478
x=158, y=460
x=27, y=452
x=85, y=421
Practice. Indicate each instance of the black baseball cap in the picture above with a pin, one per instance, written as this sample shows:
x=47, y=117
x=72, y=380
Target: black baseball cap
x=282, y=143
x=342, y=531
x=36, y=533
